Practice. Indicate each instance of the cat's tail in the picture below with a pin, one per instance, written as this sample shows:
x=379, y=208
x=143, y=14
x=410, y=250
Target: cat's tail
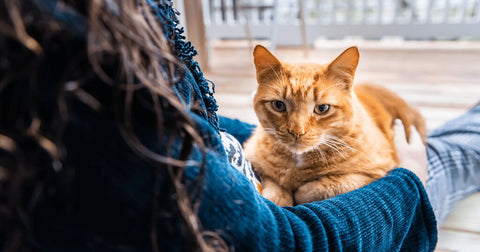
x=411, y=116
x=398, y=109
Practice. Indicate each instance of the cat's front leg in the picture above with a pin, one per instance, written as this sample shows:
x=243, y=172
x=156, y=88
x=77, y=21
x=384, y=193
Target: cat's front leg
x=276, y=193
x=330, y=186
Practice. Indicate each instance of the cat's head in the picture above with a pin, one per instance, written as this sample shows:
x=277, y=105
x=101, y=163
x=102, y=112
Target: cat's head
x=305, y=105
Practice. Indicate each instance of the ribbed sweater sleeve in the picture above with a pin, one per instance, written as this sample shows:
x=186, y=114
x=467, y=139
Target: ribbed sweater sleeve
x=390, y=214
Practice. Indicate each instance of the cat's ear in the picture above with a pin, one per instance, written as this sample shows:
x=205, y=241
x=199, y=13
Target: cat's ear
x=264, y=61
x=344, y=66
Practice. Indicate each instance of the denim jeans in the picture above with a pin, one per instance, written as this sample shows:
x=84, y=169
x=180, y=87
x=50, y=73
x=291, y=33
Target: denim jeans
x=454, y=162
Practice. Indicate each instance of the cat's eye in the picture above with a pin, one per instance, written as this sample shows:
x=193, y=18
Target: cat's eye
x=279, y=106
x=322, y=109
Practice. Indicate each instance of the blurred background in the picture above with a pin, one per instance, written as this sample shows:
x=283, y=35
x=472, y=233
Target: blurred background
x=427, y=51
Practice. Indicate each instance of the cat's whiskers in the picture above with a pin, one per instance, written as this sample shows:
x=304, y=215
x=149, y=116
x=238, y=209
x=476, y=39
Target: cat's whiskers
x=340, y=142
x=355, y=141
x=332, y=146
x=318, y=151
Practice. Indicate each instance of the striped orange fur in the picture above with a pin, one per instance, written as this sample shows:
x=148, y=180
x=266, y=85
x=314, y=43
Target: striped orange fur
x=320, y=135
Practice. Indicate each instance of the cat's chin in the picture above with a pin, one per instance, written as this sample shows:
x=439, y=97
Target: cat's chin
x=299, y=150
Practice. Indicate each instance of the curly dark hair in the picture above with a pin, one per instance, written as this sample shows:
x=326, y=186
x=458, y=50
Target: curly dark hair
x=50, y=54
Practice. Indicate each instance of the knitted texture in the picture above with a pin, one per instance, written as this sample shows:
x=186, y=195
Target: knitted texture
x=111, y=197
x=391, y=214
x=186, y=51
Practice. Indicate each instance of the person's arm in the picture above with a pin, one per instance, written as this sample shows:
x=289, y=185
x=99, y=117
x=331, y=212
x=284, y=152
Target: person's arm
x=390, y=214
x=240, y=130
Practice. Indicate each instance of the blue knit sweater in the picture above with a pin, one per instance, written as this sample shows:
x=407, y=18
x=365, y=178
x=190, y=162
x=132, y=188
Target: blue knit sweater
x=110, y=210
x=391, y=214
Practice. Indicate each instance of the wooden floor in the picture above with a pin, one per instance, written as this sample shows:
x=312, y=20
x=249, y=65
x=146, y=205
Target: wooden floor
x=440, y=78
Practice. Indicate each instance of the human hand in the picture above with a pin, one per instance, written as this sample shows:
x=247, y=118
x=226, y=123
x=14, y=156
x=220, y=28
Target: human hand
x=412, y=155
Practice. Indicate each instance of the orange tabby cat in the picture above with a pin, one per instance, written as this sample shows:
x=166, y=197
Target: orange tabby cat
x=318, y=135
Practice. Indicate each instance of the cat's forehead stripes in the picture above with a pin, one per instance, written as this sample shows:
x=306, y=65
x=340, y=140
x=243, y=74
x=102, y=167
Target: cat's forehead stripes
x=305, y=82
x=302, y=75
x=300, y=87
x=299, y=81
x=312, y=94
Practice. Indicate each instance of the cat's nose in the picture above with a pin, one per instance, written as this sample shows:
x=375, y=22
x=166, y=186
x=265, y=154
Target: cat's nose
x=296, y=134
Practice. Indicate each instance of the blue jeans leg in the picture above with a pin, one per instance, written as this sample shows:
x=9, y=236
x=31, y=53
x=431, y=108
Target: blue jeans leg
x=454, y=162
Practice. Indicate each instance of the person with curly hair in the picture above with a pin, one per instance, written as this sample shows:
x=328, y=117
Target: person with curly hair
x=110, y=141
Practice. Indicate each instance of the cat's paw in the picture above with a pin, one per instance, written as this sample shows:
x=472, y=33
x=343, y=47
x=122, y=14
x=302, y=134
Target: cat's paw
x=276, y=193
x=281, y=201
x=310, y=192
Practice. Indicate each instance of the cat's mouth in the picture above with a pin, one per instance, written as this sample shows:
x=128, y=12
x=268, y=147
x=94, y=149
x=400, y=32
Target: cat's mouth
x=300, y=146
x=297, y=145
